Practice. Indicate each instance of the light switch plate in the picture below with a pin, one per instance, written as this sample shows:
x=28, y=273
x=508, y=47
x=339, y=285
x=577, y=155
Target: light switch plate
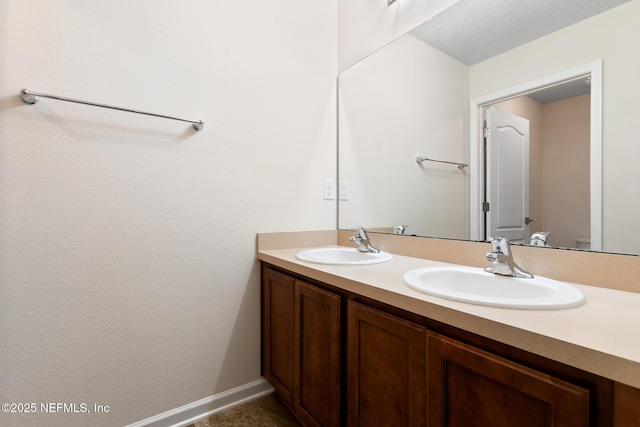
x=343, y=191
x=329, y=189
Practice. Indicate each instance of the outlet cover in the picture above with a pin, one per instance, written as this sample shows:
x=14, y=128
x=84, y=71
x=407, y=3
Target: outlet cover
x=343, y=191
x=329, y=189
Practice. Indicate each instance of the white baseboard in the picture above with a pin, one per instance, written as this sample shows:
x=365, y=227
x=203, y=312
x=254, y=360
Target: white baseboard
x=208, y=406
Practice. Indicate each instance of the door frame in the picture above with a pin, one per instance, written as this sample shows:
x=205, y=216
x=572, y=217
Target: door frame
x=476, y=148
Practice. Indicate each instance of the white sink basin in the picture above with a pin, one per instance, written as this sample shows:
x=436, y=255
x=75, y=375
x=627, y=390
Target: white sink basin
x=342, y=256
x=475, y=286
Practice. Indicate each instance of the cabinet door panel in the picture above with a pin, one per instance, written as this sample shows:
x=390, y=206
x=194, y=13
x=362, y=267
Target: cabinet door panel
x=626, y=406
x=469, y=387
x=279, y=333
x=386, y=369
x=318, y=350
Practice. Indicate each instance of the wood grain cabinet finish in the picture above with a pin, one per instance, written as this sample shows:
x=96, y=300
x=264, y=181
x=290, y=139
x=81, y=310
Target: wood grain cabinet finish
x=469, y=387
x=386, y=369
x=626, y=406
x=301, y=347
x=278, y=333
x=317, y=400
x=336, y=360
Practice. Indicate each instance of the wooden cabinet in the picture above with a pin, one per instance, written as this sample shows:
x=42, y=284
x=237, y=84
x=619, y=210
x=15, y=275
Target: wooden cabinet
x=626, y=407
x=317, y=355
x=278, y=333
x=337, y=358
x=469, y=387
x=301, y=347
x=386, y=369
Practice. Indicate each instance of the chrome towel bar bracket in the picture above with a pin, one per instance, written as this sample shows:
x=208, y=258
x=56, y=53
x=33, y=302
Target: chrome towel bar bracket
x=31, y=97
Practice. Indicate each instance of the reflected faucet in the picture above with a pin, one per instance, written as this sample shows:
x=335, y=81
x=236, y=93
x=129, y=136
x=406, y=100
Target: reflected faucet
x=539, y=238
x=502, y=260
x=362, y=240
x=399, y=229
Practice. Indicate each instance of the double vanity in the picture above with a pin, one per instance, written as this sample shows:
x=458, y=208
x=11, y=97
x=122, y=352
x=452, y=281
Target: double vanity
x=460, y=283
x=364, y=339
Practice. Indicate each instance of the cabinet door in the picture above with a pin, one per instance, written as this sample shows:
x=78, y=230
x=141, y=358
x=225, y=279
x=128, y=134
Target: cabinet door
x=626, y=406
x=317, y=400
x=469, y=387
x=278, y=300
x=386, y=369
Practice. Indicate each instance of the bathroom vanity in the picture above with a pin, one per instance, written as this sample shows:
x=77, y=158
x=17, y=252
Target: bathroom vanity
x=352, y=345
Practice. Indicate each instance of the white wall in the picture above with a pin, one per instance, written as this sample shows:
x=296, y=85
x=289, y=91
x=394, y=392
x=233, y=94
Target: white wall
x=366, y=25
x=611, y=36
x=127, y=271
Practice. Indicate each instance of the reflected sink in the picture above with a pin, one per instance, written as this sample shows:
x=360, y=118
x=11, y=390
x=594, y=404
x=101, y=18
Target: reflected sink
x=475, y=286
x=342, y=256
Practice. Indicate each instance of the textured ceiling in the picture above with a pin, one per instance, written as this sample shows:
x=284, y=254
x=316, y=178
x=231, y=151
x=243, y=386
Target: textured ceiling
x=474, y=30
x=562, y=91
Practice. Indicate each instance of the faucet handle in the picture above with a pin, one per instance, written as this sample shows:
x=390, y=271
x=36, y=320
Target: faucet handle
x=362, y=240
x=361, y=232
x=501, y=245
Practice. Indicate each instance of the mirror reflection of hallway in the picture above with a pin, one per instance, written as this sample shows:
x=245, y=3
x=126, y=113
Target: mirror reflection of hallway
x=506, y=138
x=559, y=162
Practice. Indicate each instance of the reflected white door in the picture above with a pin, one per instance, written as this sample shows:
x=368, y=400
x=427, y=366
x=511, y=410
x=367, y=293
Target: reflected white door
x=507, y=176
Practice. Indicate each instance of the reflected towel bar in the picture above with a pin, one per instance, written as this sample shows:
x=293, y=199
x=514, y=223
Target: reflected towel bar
x=460, y=165
x=31, y=97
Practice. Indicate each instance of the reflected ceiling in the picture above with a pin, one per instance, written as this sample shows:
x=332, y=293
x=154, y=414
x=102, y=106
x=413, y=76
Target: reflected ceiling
x=505, y=24
x=562, y=91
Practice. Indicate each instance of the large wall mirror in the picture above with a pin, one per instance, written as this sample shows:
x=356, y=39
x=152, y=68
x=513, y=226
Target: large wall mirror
x=566, y=71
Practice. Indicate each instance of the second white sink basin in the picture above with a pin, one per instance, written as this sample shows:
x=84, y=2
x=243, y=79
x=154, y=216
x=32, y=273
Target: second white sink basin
x=342, y=256
x=475, y=286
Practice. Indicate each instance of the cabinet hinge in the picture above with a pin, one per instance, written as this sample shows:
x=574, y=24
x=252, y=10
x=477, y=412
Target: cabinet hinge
x=485, y=207
x=485, y=132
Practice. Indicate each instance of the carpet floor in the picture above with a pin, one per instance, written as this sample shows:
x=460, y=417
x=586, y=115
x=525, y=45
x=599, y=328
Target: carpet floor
x=267, y=411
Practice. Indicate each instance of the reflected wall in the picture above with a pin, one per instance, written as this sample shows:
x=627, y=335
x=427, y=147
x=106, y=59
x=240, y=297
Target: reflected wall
x=404, y=101
x=612, y=36
x=377, y=149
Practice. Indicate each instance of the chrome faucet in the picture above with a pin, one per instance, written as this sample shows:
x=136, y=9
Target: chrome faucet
x=502, y=260
x=399, y=229
x=362, y=240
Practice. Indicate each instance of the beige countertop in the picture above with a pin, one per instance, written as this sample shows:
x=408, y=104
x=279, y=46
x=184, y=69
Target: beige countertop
x=600, y=336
